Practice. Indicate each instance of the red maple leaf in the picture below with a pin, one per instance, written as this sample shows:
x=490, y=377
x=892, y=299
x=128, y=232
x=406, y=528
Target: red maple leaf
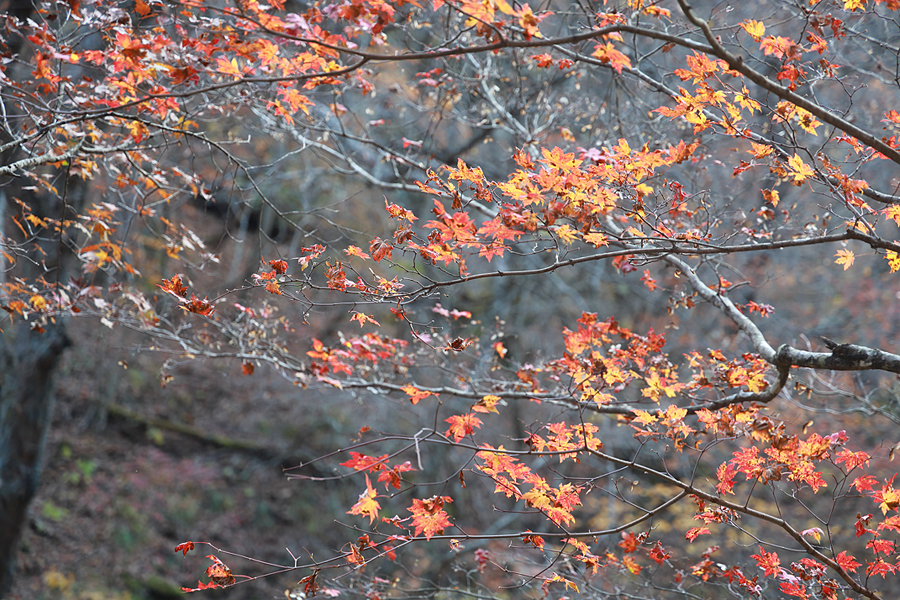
x=847, y=562
x=361, y=462
x=768, y=561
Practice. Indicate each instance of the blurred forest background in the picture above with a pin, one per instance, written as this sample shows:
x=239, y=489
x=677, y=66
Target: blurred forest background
x=150, y=447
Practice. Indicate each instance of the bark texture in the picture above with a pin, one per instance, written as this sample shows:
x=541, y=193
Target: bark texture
x=28, y=364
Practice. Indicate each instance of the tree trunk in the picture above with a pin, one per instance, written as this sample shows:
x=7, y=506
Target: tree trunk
x=28, y=364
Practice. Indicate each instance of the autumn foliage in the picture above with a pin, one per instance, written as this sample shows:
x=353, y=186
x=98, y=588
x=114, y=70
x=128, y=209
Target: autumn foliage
x=700, y=155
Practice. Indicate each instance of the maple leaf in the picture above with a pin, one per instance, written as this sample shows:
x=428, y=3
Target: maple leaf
x=415, y=394
x=173, y=286
x=355, y=251
x=363, y=318
x=794, y=589
x=543, y=60
x=392, y=477
x=279, y=266
x=218, y=572
x=659, y=554
x=767, y=561
x=607, y=54
x=779, y=46
x=398, y=212
x=771, y=196
x=760, y=150
x=801, y=171
x=367, y=506
x=893, y=212
x=754, y=28
x=487, y=404
x=184, y=547
x=845, y=257
x=847, y=562
x=648, y=280
x=200, y=307
x=529, y=21
x=893, y=259
x=644, y=418
x=725, y=474
x=228, y=67
x=559, y=579
x=567, y=234
x=693, y=532
x=880, y=568
x=888, y=497
x=462, y=425
x=891, y=523
x=881, y=545
x=380, y=249
x=355, y=557
x=852, y=5
x=597, y=239
x=429, y=517
x=361, y=462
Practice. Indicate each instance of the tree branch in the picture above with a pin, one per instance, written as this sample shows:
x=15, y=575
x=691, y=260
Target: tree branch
x=736, y=63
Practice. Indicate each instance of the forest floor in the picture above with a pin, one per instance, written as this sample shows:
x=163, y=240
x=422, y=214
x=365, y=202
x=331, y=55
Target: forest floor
x=132, y=469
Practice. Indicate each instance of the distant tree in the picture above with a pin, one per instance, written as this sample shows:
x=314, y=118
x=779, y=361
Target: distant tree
x=545, y=190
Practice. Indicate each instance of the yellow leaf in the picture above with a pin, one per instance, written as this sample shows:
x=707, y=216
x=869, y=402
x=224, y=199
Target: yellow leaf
x=38, y=302
x=760, y=150
x=597, y=239
x=801, y=171
x=754, y=28
x=229, y=68
x=504, y=7
x=845, y=257
x=644, y=418
x=675, y=413
x=893, y=259
x=487, y=404
x=567, y=234
x=893, y=212
x=367, y=506
x=814, y=532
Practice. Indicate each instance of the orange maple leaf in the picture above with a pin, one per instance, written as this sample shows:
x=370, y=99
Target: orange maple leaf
x=607, y=54
x=363, y=318
x=228, y=67
x=367, y=506
x=429, y=516
x=462, y=425
x=755, y=28
x=415, y=394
